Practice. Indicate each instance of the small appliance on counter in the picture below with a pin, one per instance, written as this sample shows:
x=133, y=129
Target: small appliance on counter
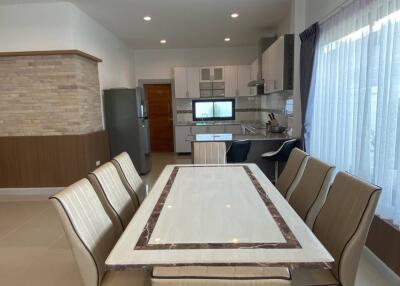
x=273, y=125
x=125, y=112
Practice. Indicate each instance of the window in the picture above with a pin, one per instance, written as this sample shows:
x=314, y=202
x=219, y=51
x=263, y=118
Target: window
x=214, y=109
x=355, y=100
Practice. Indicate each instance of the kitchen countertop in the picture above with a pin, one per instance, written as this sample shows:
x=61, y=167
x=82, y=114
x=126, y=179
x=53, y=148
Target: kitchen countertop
x=233, y=137
x=208, y=123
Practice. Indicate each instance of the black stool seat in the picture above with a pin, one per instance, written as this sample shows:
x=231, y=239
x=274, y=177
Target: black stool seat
x=238, y=151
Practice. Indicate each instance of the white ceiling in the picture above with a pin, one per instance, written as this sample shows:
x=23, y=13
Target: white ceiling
x=184, y=23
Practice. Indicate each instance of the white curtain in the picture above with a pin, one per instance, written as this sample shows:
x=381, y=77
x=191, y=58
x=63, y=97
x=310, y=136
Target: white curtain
x=355, y=97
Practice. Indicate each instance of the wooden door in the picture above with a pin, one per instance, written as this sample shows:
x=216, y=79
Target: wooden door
x=160, y=117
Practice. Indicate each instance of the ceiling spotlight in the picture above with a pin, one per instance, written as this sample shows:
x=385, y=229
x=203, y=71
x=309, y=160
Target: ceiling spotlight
x=234, y=15
x=163, y=41
x=147, y=18
x=227, y=39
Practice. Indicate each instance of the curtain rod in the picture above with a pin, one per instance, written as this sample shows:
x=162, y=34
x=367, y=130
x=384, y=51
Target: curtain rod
x=336, y=10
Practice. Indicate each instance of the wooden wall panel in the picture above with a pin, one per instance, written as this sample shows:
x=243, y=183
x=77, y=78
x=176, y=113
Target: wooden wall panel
x=384, y=241
x=50, y=161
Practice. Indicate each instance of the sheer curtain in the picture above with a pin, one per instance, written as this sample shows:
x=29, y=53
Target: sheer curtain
x=355, y=109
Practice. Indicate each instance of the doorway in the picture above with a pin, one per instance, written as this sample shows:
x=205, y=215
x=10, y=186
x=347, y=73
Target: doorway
x=159, y=100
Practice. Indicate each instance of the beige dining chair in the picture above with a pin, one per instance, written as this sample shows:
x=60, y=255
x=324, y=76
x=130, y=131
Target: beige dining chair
x=113, y=195
x=209, y=153
x=292, y=172
x=92, y=236
x=130, y=177
x=220, y=275
x=342, y=227
x=309, y=195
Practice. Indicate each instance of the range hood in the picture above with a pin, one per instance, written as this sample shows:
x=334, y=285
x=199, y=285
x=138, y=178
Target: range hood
x=263, y=44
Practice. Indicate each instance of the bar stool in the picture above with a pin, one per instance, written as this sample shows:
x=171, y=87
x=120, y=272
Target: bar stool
x=280, y=155
x=238, y=151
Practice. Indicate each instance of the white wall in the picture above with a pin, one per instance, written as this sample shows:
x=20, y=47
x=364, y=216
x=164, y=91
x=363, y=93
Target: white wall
x=158, y=64
x=117, y=68
x=35, y=27
x=62, y=26
x=286, y=25
x=319, y=9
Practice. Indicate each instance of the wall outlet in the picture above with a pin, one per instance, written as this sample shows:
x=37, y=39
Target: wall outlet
x=97, y=163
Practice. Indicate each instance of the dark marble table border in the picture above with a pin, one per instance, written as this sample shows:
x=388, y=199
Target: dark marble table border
x=143, y=243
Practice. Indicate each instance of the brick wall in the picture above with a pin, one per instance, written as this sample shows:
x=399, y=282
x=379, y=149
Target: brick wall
x=49, y=95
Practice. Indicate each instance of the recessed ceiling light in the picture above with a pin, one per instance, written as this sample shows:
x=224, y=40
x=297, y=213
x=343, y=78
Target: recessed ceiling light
x=234, y=15
x=227, y=39
x=163, y=41
x=147, y=18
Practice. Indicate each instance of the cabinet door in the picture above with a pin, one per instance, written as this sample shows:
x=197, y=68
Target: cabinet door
x=254, y=70
x=265, y=64
x=193, y=81
x=253, y=76
x=243, y=80
x=231, y=81
x=182, y=143
x=276, y=62
x=180, y=82
x=218, y=74
x=206, y=74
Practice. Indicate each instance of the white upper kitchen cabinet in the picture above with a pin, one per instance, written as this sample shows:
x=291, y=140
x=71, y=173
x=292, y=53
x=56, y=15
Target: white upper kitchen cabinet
x=265, y=70
x=243, y=79
x=231, y=81
x=277, y=65
x=236, y=81
x=193, y=82
x=212, y=74
x=187, y=82
x=180, y=82
x=253, y=76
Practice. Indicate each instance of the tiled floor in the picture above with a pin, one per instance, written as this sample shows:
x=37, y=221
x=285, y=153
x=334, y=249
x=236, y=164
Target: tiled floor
x=34, y=250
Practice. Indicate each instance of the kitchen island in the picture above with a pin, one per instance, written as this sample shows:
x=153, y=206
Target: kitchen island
x=261, y=142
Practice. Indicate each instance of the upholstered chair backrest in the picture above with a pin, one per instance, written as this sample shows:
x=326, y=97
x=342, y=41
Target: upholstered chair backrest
x=113, y=194
x=344, y=221
x=310, y=193
x=209, y=153
x=130, y=177
x=88, y=228
x=292, y=172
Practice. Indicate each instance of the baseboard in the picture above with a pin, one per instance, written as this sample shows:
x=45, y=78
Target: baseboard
x=30, y=191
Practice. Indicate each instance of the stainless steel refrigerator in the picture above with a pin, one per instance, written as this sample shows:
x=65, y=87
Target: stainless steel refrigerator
x=125, y=112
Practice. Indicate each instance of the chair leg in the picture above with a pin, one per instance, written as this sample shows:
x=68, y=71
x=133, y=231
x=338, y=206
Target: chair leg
x=276, y=171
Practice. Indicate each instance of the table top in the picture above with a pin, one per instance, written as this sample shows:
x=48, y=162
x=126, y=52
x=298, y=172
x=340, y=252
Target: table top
x=216, y=215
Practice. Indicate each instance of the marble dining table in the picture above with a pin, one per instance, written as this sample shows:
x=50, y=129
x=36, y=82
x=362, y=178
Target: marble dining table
x=216, y=215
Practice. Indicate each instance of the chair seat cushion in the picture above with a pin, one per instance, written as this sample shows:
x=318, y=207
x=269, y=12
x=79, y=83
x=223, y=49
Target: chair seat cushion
x=311, y=277
x=126, y=278
x=205, y=275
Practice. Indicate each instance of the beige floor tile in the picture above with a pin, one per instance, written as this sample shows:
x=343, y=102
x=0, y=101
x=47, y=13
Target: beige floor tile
x=54, y=267
x=14, y=214
x=16, y=262
x=43, y=228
